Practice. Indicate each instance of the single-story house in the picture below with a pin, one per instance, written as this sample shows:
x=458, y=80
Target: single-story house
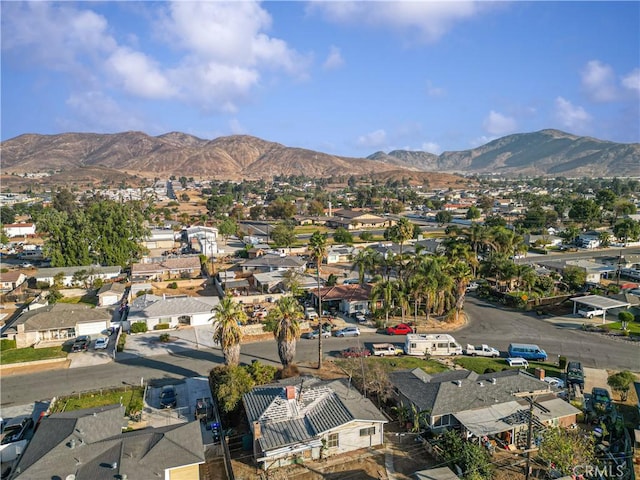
x=19, y=229
x=309, y=418
x=178, y=310
x=11, y=280
x=594, y=271
x=89, y=444
x=542, y=240
x=203, y=239
x=347, y=298
x=269, y=282
x=340, y=254
x=160, y=239
x=166, y=269
x=93, y=271
x=272, y=262
x=57, y=323
x=480, y=404
x=110, y=294
x=356, y=219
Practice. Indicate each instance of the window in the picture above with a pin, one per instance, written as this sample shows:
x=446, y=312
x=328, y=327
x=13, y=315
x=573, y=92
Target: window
x=332, y=440
x=443, y=421
x=367, y=432
x=442, y=345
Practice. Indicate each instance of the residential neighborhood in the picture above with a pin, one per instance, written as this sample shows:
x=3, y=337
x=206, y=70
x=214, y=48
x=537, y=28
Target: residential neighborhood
x=283, y=322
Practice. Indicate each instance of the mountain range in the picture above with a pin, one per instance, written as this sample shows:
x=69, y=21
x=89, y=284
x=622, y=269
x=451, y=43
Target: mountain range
x=547, y=152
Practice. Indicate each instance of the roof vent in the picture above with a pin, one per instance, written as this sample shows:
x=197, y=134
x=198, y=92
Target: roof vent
x=481, y=384
x=114, y=465
x=459, y=383
x=72, y=443
x=493, y=381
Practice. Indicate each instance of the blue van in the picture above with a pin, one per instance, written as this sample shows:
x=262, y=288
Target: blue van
x=528, y=351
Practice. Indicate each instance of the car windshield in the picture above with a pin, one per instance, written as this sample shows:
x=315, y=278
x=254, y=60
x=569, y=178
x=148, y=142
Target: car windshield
x=167, y=393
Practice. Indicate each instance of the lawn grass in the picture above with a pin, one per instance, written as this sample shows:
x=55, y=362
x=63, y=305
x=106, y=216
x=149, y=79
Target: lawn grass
x=481, y=364
x=130, y=397
x=632, y=327
x=30, y=354
x=6, y=344
x=304, y=229
x=404, y=362
x=88, y=299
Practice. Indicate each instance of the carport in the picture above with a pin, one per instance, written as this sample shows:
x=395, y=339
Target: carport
x=599, y=302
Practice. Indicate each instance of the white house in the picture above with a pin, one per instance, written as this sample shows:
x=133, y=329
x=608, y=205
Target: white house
x=19, y=229
x=110, y=294
x=94, y=272
x=205, y=237
x=11, y=280
x=178, y=310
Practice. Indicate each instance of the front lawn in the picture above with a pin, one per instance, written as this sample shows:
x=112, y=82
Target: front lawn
x=130, y=397
x=404, y=362
x=480, y=365
x=30, y=354
x=632, y=327
x=88, y=299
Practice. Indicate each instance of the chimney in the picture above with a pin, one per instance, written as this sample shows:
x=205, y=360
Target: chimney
x=539, y=372
x=290, y=392
x=256, y=431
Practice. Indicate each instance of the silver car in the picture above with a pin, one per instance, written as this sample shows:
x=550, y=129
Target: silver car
x=348, y=332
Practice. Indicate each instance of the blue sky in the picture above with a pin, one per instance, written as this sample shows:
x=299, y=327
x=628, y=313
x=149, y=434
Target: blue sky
x=346, y=78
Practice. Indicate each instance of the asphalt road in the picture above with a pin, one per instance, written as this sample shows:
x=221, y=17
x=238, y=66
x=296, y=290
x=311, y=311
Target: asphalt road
x=489, y=324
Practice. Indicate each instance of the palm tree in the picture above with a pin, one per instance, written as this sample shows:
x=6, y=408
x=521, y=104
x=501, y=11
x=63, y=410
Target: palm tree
x=364, y=262
x=318, y=250
x=461, y=274
x=228, y=317
x=286, y=316
x=386, y=292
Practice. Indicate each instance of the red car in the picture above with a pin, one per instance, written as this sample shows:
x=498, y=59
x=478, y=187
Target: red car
x=400, y=329
x=354, y=352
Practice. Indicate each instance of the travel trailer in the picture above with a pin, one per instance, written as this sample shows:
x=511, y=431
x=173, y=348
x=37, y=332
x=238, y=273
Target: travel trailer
x=429, y=344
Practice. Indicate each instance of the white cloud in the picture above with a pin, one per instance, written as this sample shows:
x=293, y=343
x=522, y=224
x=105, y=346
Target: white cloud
x=95, y=111
x=236, y=127
x=433, y=91
x=481, y=140
x=334, y=59
x=631, y=81
x=431, y=147
x=571, y=116
x=375, y=139
x=598, y=80
x=138, y=74
x=426, y=21
x=499, y=124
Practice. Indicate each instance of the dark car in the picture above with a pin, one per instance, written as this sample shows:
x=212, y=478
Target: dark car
x=400, y=329
x=354, y=352
x=168, y=397
x=81, y=343
x=16, y=429
x=575, y=374
x=600, y=398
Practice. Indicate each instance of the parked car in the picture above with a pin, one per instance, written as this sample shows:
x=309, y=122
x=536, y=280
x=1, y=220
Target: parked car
x=600, y=397
x=101, y=343
x=168, y=397
x=472, y=287
x=348, y=332
x=26, y=265
x=590, y=312
x=310, y=313
x=517, y=362
x=575, y=374
x=400, y=329
x=81, y=343
x=314, y=334
x=554, y=382
x=482, y=351
x=360, y=317
x=354, y=352
x=16, y=429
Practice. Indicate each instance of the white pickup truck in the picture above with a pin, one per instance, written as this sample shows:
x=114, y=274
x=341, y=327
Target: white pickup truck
x=590, y=312
x=384, y=349
x=481, y=351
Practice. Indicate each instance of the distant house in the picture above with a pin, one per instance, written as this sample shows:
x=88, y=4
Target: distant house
x=309, y=418
x=178, y=310
x=594, y=271
x=204, y=239
x=346, y=298
x=111, y=294
x=57, y=323
x=93, y=272
x=160, y=239
x=542, y=240
x=272, y=262
x=19, y=229
x=480, y=405
x=89, y=444
x=168, y=268
x=339, y=254
x=11, y=280
x=355, y=219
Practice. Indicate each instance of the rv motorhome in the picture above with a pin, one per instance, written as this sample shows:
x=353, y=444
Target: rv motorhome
x=431, y=344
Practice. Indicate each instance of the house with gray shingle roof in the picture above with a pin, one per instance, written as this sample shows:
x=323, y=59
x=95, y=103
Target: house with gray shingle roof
x=272, y=262
x=309, y=418
x=93, y=272
x=481, y=405
x=177, y=310
x=89, y=445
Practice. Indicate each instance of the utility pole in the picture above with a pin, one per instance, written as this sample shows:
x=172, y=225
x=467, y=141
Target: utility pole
x=530, y=397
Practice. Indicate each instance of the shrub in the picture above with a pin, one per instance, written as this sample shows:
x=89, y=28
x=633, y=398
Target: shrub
x=6, y=344
x=121, y=342
x=289, y=371
x=489, y=370
x=43, y=285
x=173, y=285
x=562, y=362
x=138, y=327
x=162, y=326
x=165, y=337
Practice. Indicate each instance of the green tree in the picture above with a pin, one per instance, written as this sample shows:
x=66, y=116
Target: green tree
x=621, y=382
x=584, y=211
x=317, y=251
x=256, y=212
x=444, y=217
x=229, y=383
x=384, y=292
x=286, y=316
x=364, y=262
x=342, y=235
x=627, y=230
x=228, y=316
x=566, y=449
x=473, y=213
x=473, y=460
x=280, y=208
x=4, y=238
x=261, y=373
x=574, y=277
x=606, y=199
x=605, y=239
x=54, y=295
x=461, y=275
x=315, y=208
x=227, y=227
x=283, y=235
x=625, y=317
x=64, y=201
x=401, y=232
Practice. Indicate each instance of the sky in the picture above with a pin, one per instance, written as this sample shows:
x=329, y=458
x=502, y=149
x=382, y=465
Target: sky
x=344, y=78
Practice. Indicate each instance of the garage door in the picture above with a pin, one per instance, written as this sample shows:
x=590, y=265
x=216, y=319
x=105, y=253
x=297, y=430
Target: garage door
x=91, y=328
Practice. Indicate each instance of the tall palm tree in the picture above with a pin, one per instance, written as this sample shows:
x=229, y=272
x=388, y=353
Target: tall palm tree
x=286, y=315
x=364, y=262
x=318, y=250
x=461, y=274
x=386, y=292
x=228, y=317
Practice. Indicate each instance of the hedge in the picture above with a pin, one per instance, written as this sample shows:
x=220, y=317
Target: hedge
x=162, y=326
x=138, y=327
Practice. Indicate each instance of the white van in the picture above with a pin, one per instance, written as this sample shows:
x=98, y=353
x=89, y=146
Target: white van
x=517, y=362
x=421, y=344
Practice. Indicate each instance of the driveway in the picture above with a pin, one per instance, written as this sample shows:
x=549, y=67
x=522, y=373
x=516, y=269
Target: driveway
x=149, y=344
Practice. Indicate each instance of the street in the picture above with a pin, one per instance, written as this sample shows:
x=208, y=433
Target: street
x=489, y=324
